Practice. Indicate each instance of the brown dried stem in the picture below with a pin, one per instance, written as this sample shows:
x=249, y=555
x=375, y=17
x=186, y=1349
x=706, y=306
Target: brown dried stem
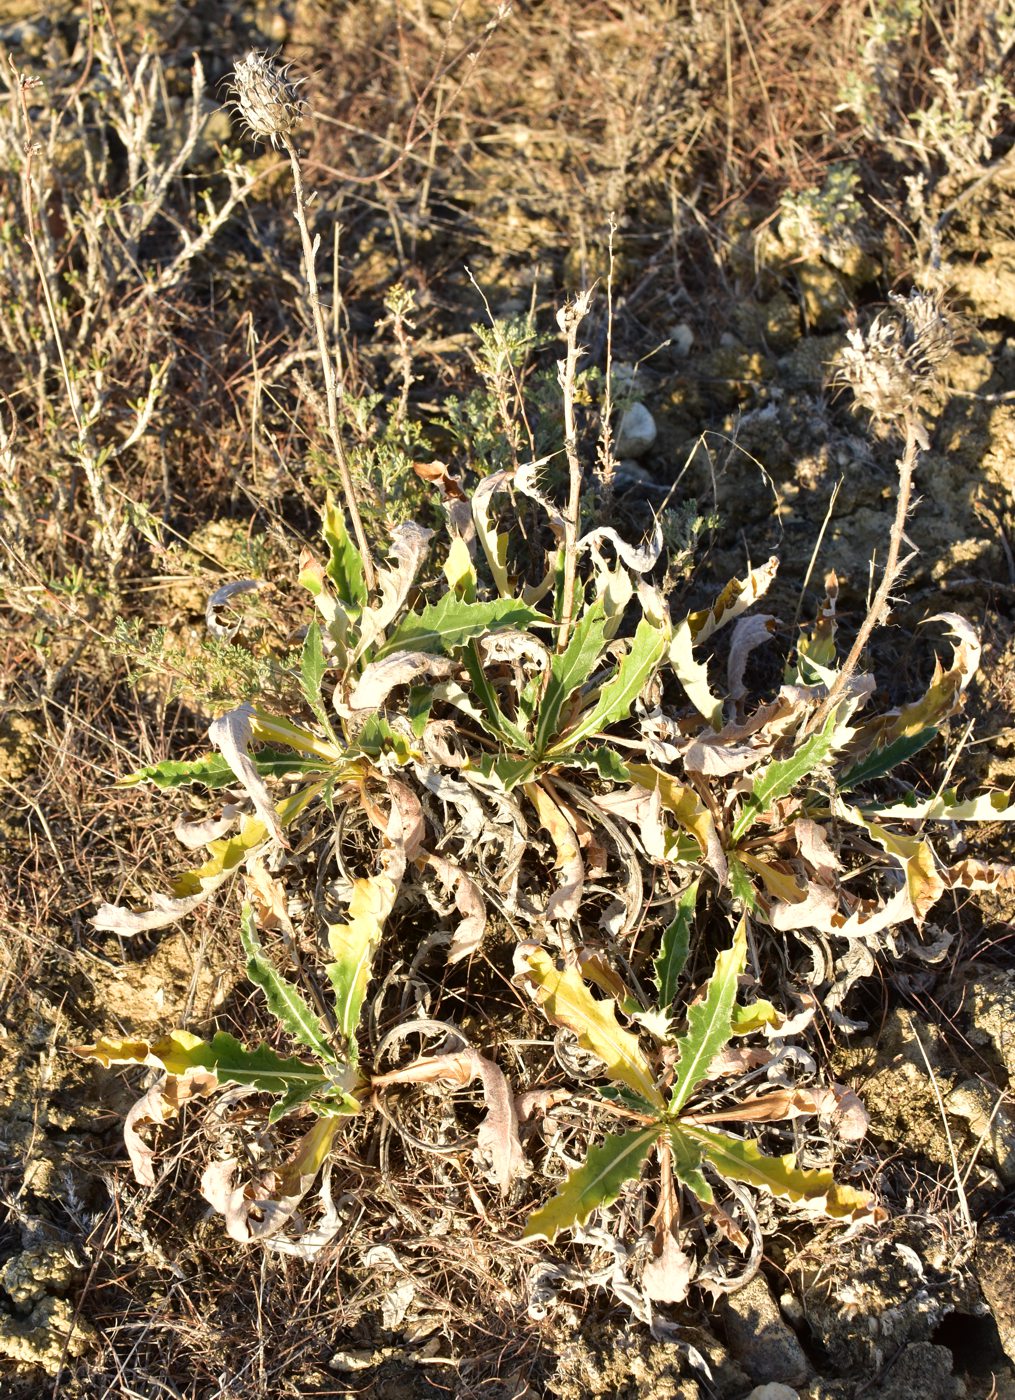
x=915, y=439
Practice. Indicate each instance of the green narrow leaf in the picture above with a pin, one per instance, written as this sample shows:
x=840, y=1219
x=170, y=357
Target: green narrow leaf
x=674, y=946
x=312, y=669
x=618, y=695
x=709, y=1022
x=284, y=1001
x=742, y=1160
x=882, y=761
x=779, y=779
x=741, y=885
x=686, y=1159
x=597, y=1183
x=420, y=705
x=345, y=567
x=571, y=669
x=450, y=623
x=490, y=714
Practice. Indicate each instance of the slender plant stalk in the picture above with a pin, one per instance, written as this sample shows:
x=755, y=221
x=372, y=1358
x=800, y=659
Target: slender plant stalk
x=907, y=463
x=569, y=319
x=328, y=366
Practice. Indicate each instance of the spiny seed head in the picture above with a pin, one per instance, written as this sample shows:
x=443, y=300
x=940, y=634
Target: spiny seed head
x=265, y=99
x=892, y=368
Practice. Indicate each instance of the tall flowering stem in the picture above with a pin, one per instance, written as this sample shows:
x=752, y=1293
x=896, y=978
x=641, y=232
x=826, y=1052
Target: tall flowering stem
x=327, y=365
x=892, y=371
x=272, y=110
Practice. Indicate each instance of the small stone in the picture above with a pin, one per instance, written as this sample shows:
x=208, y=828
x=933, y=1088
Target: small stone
x=637, y=432
x=773, y=1391
x=758, y=1337
x=681, y=340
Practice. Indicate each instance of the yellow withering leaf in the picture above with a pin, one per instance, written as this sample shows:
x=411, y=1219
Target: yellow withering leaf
x=923, y=879
x=942, y=698
x=353, y=944
x=686, y=807
x=742, y=1160
x=568, y=1002
x=554, y=817
x=736, y=598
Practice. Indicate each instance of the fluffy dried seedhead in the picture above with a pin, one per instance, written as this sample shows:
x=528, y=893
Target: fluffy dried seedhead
x=892, y=368
x=265, y=99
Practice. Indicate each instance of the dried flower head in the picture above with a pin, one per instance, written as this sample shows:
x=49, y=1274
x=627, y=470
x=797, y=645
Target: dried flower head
x=265, y=99
x=892, y=368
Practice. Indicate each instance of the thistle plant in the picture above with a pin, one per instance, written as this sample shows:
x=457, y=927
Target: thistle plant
x=524, y=722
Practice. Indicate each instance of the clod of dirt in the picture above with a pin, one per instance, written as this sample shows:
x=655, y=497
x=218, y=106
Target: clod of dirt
x=988, y=1121
x=641, y=1370
x=37, y=1331
x=878, y=1296
x=989, y=282
x=19, y=753
x=990, y=1006
x=922, y=1371
x=761, y=1341
x=995, y=1269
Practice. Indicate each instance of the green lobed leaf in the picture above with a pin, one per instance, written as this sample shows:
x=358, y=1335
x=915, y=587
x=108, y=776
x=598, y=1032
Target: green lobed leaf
x=741, y=885
x=693, y=675
x=597, y=1183
x=353, y=945
x=570, y=669
x=261, y=1068
x=211, y=770
x=284, y=1000
x=506, y=770
x=618, y=696
x=345, y=567
x=686, y=1160
x=674, y=946
x=882, y=761
x=709, y=1022
x=596, y=758
x=451, y=623
x=779, y=778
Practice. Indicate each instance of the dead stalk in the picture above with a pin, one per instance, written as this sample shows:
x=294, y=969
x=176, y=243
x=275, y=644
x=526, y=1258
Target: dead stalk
x=328, y=365
x=915, y=438
x=569, y=319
